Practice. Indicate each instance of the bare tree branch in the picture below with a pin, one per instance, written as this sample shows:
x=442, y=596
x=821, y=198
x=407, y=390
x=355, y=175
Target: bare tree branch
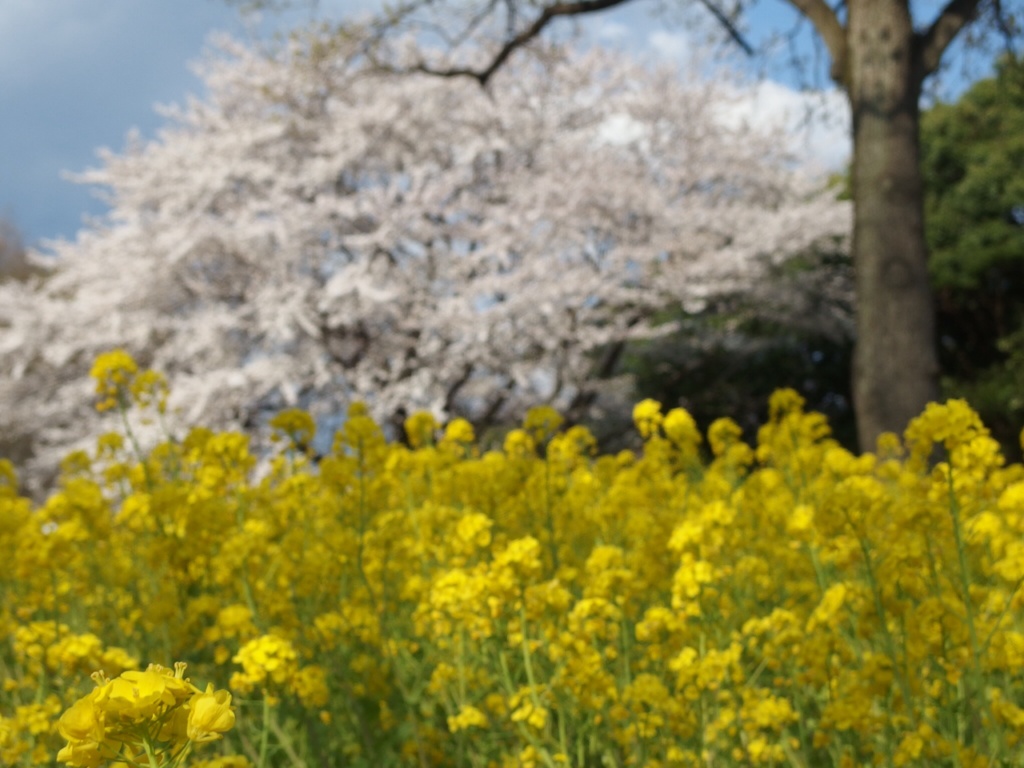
x=479, y=19
x=831, y=30
x=724, y=20
x=549, y=14
x=931, y=44
x=1007, y=26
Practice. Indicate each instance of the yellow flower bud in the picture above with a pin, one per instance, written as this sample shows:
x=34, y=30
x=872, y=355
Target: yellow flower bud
x=210, y=715
x=82, y=722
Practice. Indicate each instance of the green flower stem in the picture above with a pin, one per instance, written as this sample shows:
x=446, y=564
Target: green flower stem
x=890, y=644
x=286, y=744
x=977, y=691
x=265, y=733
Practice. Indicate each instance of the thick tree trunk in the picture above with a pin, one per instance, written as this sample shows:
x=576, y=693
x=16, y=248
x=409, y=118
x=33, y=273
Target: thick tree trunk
x=895, y=368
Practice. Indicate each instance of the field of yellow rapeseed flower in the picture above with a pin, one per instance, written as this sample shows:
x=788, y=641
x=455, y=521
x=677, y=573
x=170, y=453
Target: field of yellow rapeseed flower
x=704, y=603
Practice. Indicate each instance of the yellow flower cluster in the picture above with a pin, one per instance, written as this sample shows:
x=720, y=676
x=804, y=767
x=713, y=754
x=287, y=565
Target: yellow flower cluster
x=152, y=717
x=704, y=601
x=119, y=382
x=266, y=661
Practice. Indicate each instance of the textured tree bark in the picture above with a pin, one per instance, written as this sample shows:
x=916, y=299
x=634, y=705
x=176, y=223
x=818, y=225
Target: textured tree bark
x=895, y=367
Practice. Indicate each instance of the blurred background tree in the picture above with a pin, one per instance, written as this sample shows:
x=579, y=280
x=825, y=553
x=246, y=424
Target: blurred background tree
x=728, y=358
x=316, y=231
x=972, y=156
x=14, y=267
x=14, y=263
x=973, y=153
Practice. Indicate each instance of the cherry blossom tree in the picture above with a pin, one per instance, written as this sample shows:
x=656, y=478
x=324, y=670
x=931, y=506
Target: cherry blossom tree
x=315, y=231
x=880, y=53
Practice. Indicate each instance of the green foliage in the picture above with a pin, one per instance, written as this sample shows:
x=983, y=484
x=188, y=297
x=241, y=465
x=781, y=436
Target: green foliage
x=972, y=153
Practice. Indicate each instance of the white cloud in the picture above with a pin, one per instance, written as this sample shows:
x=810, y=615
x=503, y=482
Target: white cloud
x=670, y=45
x=612, y=31
x=817, y=122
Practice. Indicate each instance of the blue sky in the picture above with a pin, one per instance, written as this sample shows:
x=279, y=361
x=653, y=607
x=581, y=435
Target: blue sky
x=76, y=75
